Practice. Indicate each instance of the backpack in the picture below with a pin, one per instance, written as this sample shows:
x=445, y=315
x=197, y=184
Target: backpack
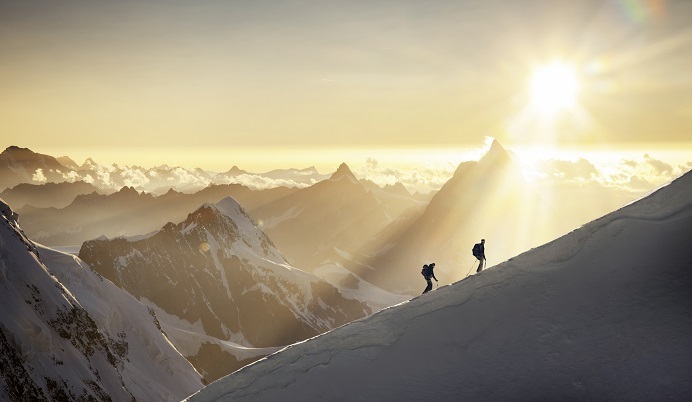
x=425, y=271
x=476, y=250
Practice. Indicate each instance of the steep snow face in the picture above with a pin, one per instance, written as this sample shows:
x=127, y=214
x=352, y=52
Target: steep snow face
x=601, y=313
x=64, y=333
x=216, y=271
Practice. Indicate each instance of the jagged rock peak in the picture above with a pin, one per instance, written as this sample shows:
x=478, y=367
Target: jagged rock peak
x=229, y=206
x=88, y=163
x=128, y=190
x=397, y=188
x=343, y=171
x=208, y=212
x=495, y=154
x=235, y=171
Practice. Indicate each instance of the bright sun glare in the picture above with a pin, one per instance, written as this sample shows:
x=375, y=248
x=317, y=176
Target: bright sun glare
x=554, y=87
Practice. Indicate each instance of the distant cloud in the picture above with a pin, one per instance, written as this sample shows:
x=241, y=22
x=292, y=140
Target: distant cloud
x=104, y=177
x=258, y=182
x=39, y=176
x=185, y=178
x=134, y=177
x=580, y=169
x=88, y=179
x=638, y=183
x=660, y=166
x=71, y=176
x=422, y=179
x=633, y=175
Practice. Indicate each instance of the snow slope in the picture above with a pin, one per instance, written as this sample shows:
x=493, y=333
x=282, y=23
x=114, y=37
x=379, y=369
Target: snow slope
x=68, y=334
x=355, y=287
x=602, y=313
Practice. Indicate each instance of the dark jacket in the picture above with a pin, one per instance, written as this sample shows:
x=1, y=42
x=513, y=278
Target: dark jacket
x=480, y=254
x=429, y=272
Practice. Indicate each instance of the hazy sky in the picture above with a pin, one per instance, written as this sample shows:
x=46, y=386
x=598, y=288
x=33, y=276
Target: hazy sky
x=339, y=73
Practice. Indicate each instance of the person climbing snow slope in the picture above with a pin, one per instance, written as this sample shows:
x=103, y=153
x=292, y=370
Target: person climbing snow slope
x=428, y=273
x=479, y=252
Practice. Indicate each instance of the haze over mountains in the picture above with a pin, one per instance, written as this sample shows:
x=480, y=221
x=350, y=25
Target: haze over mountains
x=128, y=212
x=339, y=214
x=226, y=274
x=600, y=313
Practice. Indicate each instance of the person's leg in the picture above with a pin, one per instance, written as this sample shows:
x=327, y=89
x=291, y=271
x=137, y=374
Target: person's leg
x=481, y=262
x=429, y=287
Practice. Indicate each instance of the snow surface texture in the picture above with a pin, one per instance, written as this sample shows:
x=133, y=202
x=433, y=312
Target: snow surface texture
x=68, y=334
x=601, y=313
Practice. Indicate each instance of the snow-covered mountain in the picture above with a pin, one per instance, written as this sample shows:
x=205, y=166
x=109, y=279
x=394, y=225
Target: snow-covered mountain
x=601, y=313
x=68, y=334
x=313, y=224
x=222, y=287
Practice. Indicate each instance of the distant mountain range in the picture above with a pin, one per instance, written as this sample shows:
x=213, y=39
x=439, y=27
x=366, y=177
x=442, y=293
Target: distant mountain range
x=219, y=273
x=312, y=225
x=128, y=212
x=22, y=165
x=47, y=195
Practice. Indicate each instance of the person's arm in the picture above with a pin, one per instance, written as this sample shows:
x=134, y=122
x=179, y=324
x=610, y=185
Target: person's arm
x=433, y=275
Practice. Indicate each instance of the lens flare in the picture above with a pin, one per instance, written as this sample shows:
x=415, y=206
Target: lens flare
x=554, y=87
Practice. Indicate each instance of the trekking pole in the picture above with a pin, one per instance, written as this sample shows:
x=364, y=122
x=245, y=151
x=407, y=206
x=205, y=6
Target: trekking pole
x=470, y=269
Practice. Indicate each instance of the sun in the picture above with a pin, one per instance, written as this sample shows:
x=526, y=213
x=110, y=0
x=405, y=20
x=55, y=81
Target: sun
x=554, y=87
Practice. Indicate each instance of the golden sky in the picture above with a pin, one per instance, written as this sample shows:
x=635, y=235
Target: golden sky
x=340, y=74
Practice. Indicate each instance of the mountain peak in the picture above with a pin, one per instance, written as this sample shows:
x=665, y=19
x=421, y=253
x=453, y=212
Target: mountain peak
x=235, y=171
x=495, y=154
x=397, y=188
x=68, y=162
x=343, y=171
x=89, y=163
x=125, y=190
x=13, y=148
